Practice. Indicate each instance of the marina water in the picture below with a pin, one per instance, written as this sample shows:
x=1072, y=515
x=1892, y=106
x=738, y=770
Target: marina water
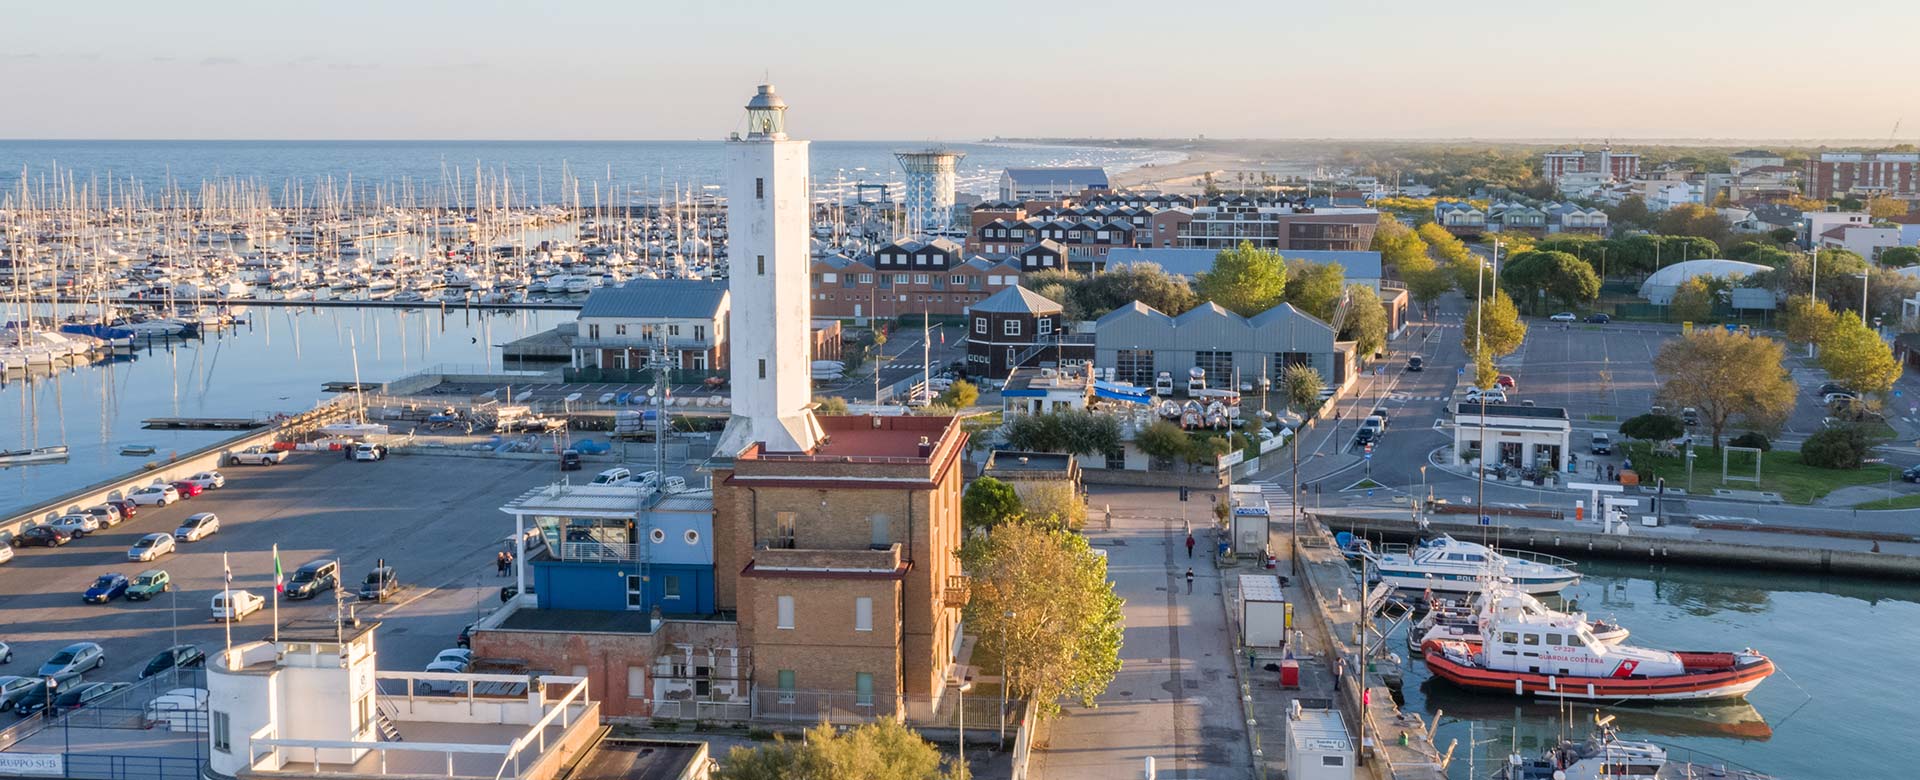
x=1843, y=704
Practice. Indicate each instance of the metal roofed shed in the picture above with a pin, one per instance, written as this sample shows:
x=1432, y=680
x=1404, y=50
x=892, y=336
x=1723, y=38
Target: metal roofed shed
x=1318, y=745
x=673, y=298
x=618, y=501
x=1263, y=611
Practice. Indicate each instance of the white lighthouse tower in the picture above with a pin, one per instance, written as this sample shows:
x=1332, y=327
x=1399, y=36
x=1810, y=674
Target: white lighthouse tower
x=768, y=241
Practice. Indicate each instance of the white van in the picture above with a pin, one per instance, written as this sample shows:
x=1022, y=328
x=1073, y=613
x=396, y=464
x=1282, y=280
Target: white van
x=179, y=709
x=244, y=604
x=618, y=475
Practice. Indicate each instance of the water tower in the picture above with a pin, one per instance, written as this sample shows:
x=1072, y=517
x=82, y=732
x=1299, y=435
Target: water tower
x=929, y=196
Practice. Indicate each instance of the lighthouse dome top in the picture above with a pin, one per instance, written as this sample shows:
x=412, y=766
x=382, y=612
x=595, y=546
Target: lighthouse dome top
x=766, y=115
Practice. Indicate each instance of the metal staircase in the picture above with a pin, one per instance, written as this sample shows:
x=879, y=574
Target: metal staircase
x=388, y=731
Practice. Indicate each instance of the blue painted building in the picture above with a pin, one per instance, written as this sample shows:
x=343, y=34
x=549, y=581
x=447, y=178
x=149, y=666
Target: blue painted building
x=617, y=548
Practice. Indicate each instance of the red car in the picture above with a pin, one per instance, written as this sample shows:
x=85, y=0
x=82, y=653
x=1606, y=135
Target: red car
x=127, y=508
x=187, y=489
x=1505, y=381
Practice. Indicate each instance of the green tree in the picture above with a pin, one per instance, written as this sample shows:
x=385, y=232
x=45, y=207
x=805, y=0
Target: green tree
x=1807, y=321
x=1501, y=330
x=1726, y=376
x=1783, y=235
x=1205, y=450
x=1054, y=503
x=1693, y=302
x=1693, y=219
x=830, y=405
x=1040, y=601
x=1244, y=280
x=1445, y=247
x=1314, y=287
x=1880, y=208
x=959, y=395
x=1426, y=281
x=1366, y=322
x=1144, y=282
x=1161, y=440
x=1653, y=427
x=1302, y=386
x=1843, y=447
x=1472, y=277
x=1631, y=211
x=1900, y=257
x=1857, y=357
x=884, y=749
x=1078, y=432
x=1570, y=280
x=1397, y=243
x=988, y=503
x=1484, y=372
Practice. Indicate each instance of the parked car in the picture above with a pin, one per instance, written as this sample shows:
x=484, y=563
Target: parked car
x=150, y=547
x=155, y=495
x=380, y=584
x=313, y=578
x=244, y=604
x=365, y=451
x=257, y=456
x=208, y=480
x=188, y=489
x=179, y=709
x=1494, y=396
x=13, y=684
x=148, y=584
x=1416, y=363
x=1369, y=430
x=1565, y=316
x=466, y=636
x=42, y=536
x=1690, y=417
x=1602, y=444
x=443, y=686
x=458, y=655
x=87, y=693
x=107, y=514
x=1836, y=387
x=35, y=690
x=569, y=460
x=6, y=552
x=618, y=475
x=77, y=657
x=6, y=653
x=175, y=657
x=1846, y=396
x=1912, y=474
x=1599, y=319
x=106, y=588
x=77, y=525
x=197, y=527
x=127, y=508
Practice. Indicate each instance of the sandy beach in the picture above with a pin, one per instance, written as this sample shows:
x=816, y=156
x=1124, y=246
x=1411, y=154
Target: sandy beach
x=1183, y=176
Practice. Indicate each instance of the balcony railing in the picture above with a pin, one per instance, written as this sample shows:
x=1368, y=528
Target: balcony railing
x=959, y=587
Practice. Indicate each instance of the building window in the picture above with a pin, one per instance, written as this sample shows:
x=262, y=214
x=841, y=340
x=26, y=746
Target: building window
x=669, y=586
x=881, y=537
x=619, y=330
x=222, y=732
x=980, y=325
x=1042, y=326
x=783, y=531
x=636, y=592
x=957, y=280
x=760, y=188
x=763, y=368
x=636, y=682
x=673, y=330
x=866, y=278
x=922, y=279
x=699, y=333
x=785, y=686
x=593, y=331
x=1010, y=327
x=863, y=614
x=692, y=536
x=899, y=278
x=862, y=689
x=785, y=609
x=761, y=262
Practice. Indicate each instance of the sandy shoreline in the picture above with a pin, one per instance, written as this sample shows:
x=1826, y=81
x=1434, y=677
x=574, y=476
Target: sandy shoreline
x=1182, y=176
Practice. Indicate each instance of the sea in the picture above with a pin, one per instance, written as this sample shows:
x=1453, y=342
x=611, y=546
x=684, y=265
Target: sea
x=627, y=172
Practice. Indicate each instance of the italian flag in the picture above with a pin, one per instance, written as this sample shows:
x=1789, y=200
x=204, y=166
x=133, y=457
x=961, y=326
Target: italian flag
x=279, y=581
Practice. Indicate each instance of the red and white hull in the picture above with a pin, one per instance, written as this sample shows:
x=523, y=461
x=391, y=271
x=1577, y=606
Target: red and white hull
x=1707, y=676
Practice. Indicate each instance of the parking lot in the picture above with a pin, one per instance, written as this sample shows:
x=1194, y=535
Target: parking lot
x=436, y=520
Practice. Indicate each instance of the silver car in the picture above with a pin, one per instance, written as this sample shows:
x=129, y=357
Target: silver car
x=76, y=657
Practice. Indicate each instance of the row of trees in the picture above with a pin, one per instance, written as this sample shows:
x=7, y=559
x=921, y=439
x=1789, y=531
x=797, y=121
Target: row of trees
x=1852, y=353
x=1086, y=297
x=1247, y=280
x=885, y=749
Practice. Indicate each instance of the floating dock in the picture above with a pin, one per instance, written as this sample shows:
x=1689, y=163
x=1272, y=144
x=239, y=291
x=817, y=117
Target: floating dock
x=202, y=423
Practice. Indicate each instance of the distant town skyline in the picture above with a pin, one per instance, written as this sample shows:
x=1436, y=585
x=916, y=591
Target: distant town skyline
x=596, y=70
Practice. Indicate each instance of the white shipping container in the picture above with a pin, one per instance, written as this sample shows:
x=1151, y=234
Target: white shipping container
x=1263, y=611
x=1318, y=747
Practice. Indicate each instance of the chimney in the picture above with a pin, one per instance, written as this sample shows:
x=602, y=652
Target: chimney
x=926, y=447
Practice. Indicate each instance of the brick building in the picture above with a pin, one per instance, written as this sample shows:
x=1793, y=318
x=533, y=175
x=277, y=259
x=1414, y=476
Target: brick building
x=1619, y=166
x=1864, y=174
x=1277, y=223
x=848, y=287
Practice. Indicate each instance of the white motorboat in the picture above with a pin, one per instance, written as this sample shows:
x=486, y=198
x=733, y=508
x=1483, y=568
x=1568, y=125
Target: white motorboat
x=35, y=455
x=1444, y=564
x=1605, y=756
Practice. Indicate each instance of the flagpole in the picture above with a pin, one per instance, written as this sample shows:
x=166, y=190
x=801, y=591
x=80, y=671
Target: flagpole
x=276, y=593
x=227, y=589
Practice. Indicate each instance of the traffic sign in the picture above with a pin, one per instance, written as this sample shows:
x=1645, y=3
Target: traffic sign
x=1486, y=519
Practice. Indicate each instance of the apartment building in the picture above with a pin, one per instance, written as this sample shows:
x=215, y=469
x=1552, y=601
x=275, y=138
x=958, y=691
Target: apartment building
x=1864, y=174
x=1022, y=184
x=1621, y=166
x=1276, y=223
x=858, y=287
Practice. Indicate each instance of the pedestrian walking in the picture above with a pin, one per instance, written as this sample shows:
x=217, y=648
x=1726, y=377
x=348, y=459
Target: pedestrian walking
x=500, y=563
x=507, y=567
x=1189, y=580
x=1189, y=544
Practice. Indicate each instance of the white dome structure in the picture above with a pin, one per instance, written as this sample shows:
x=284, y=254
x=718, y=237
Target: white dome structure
x=1658, y=289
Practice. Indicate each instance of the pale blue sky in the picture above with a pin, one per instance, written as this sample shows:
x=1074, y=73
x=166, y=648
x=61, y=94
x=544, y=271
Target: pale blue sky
x=908, y=70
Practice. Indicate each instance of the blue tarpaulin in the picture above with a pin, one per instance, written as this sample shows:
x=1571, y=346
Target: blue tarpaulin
x=1118, y=392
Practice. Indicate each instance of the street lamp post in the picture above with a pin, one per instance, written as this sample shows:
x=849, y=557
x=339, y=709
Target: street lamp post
x=963, y=687
x=1003, y=676
x=1863, y=297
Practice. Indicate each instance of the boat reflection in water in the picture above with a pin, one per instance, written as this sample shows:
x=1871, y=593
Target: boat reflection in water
x=1538, y=722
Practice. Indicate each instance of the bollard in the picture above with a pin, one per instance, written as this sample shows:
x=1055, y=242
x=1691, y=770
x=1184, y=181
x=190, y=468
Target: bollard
x=1148, y=775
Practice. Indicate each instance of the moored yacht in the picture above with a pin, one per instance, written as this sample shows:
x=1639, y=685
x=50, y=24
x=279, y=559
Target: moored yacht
x=1447, y=565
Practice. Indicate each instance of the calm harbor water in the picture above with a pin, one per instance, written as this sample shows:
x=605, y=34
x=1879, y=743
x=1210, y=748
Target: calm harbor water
x=1843, y=704
x=634, y=168
x=276, y=364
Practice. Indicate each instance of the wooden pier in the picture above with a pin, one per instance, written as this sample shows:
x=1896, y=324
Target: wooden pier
x=202, y=423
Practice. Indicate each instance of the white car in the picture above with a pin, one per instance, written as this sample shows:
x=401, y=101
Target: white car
x=1565, y=316
x=77, y=525
x=1493, y=396
x=244, y=604
x=155, y=495
x=258, y=456
x=150, y=547
x=197, y=527
x=208, y=480
x=459, y=655
x=443, y=686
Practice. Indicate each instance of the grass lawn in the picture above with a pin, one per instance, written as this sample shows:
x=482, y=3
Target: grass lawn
x=1911, y=501
x=1780, y=472
x=1602, y=418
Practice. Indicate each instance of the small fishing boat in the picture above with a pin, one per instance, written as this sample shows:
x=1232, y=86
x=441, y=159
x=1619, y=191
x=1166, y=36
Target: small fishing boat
x=35, y=455
x=1605, y=756
x=137, y=449
x=1557, y=656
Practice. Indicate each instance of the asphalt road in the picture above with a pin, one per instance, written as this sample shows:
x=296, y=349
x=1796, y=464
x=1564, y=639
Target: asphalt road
x=435, y=519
